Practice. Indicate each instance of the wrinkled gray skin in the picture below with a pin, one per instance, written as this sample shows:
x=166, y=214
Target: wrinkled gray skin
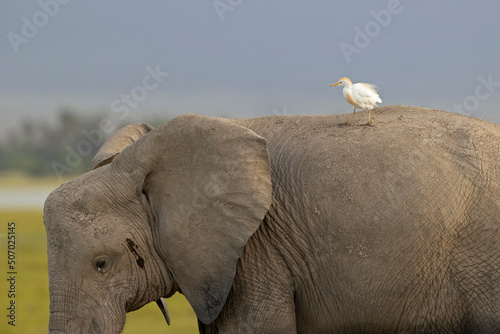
x=284, y=225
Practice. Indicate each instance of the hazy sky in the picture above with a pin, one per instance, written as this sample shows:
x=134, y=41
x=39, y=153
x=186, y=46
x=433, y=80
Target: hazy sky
x=245, y=58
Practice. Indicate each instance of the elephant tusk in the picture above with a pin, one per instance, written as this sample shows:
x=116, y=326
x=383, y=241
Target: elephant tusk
x=162, y=304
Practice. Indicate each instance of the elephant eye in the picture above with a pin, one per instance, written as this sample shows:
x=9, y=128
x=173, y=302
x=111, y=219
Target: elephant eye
x=100, y=265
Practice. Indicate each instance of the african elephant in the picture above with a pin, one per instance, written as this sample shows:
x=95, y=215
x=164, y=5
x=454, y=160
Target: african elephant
x=285, y=224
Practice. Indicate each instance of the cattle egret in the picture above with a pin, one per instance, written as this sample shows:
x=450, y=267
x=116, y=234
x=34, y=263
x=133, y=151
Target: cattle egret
x=360, y=95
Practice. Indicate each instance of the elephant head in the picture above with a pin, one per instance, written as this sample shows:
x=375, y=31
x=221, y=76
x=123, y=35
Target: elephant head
x=161, y=211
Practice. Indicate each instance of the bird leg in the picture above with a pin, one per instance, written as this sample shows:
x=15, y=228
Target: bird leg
x=369, y=118
x=351, y=116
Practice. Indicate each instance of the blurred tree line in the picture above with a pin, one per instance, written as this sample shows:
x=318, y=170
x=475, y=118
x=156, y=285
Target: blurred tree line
x=39, y=148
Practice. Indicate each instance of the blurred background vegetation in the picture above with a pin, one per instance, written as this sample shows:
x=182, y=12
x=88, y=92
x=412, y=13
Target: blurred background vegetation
x=35, y=145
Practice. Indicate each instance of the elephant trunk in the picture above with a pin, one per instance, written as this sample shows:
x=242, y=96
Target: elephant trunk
x=60, y=313
x=68, y=314
x=60, y=321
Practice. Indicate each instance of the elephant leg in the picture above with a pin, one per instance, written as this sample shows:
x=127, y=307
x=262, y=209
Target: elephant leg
x=261, y=299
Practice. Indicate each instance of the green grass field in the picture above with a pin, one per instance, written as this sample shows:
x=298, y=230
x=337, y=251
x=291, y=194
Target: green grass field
x=32, y=293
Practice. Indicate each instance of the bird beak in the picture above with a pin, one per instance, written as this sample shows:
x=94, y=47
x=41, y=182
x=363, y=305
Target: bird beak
x=338, y=83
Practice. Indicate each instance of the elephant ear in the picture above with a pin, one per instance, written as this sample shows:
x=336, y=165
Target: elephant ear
x=117, y=142
x=208, y=184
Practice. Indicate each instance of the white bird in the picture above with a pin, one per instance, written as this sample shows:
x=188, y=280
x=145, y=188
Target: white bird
x=360, y=95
